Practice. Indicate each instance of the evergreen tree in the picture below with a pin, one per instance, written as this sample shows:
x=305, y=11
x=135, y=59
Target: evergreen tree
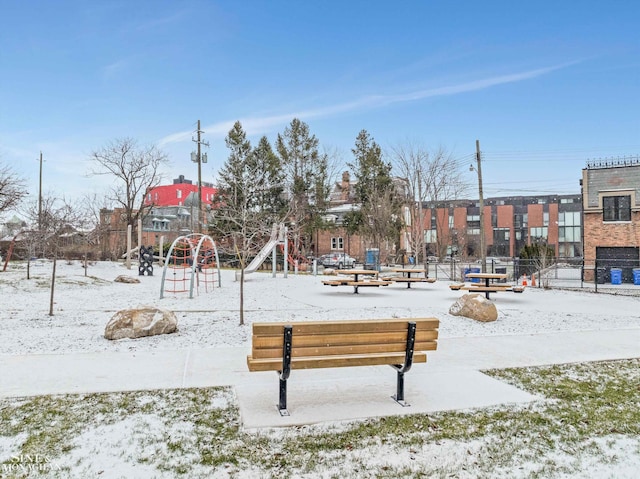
x=249, y=199
x=271, y=184
x=306, y=176
x=379, y=218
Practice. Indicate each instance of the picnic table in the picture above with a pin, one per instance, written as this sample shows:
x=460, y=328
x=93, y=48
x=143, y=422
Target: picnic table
x=487, y=287
x=408, y=278
x=352, y=277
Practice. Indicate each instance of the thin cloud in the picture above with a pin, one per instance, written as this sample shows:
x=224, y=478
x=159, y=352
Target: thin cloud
x=260, y=125
x=114, y=69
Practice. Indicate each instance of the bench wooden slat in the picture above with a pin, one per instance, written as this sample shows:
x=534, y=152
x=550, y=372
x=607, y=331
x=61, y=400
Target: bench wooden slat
x=276, y=352
x=350, y=360
x=335, y=282
x=346, y=326
x=482, y=289
x=368, y=283
x=330, y=340
x=409, y=280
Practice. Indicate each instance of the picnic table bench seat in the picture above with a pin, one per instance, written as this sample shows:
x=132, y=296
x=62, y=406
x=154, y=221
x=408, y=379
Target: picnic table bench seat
x=335, y=282
x=397, y=342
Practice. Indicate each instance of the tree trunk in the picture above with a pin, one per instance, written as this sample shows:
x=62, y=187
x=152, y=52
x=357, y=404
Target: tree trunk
x=242, y=294
x=53, y=284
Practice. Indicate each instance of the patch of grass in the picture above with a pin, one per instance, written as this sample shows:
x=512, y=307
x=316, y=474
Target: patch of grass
x=585, y=412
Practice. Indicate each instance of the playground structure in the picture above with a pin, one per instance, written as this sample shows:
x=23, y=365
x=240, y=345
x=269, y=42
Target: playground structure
x=278, y=240
x=192, y=264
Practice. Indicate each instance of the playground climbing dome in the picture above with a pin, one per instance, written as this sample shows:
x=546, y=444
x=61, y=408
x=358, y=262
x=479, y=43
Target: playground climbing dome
x=191, y=266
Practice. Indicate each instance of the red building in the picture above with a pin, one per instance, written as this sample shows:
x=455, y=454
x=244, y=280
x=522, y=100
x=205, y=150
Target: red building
x=176, y=193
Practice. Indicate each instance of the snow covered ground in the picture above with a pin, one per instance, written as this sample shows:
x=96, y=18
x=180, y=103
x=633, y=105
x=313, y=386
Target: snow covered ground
x=84, y=304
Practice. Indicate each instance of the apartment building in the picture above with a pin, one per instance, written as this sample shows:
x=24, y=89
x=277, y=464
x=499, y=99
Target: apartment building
x=611, y=204
x=510, y=223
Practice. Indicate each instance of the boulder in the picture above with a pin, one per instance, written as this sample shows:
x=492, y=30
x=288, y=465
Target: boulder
x=123, y=278
x=474, y=306
x=140, y=322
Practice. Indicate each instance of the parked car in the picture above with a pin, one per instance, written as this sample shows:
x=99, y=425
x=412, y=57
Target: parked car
x=337, y=260
x=490, y=259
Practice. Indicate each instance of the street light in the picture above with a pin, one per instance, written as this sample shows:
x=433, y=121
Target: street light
x=478, y=169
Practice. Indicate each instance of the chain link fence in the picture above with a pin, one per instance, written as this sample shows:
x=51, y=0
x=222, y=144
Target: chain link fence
x=612, y=276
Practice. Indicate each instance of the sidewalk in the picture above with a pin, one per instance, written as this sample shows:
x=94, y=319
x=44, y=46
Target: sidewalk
x=451, y=379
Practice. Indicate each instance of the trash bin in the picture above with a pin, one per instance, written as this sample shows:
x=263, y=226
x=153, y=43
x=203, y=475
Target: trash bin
x=636, y=276
x=472, y=270
x=601, y=275
x=502, y=270
x=616, y=276
x=372, y=259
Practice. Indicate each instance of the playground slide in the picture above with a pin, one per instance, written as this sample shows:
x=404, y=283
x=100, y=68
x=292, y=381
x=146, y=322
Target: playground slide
x=262, y=255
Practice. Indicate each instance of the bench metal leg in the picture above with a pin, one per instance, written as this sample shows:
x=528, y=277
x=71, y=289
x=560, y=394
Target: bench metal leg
x=403, y=368
x=282, y=403
x=399, y=397
x=286, y=370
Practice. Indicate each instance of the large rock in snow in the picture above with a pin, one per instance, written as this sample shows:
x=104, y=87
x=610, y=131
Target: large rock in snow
x=474, y=306
x=126, y=279
x=141, y=322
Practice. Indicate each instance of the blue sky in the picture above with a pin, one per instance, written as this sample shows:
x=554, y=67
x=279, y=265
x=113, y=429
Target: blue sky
x=544, y=85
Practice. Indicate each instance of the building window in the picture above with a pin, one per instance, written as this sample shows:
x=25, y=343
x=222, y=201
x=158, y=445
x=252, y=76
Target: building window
x=407, y=216
x=541, y=232
x=616, y=208
x=473, y=231
x=545, y=218
x=501, y=235
x=451, y=223
x=337, y=243
x=569, y=218
x=179, y=193
x=430, y=236
x=160, y=225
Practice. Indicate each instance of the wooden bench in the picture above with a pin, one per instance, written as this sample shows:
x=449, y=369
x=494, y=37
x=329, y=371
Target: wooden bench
x=396, y=342
x=401, y=279
x=355, y=284
x=336, y=282
x=494, y=288
x=456, y=286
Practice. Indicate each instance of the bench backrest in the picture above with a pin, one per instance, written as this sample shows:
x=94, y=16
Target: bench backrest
x=339, y=339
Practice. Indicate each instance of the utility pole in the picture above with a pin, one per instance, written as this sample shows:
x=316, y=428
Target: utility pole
x=483, y=249
x=199, y=158
x=40, y=197
x=421, y=255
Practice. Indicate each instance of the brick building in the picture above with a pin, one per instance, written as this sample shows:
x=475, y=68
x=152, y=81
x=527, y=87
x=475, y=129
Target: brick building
x=611, y=204
x=173, y=211
x=510, y=223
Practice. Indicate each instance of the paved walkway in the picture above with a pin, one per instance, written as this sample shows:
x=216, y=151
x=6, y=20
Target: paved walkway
x=450, y=380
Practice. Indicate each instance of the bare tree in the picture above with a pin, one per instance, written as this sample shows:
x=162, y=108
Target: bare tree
x=12, y=189
x=250, y=199
x=134, y=170
x=59, y=220
x=432, y=179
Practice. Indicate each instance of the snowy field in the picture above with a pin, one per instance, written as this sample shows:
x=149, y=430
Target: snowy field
x=114, y=447
x=84, y=304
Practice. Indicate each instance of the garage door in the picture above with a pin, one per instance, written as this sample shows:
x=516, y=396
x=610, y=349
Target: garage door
x=625, y=258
